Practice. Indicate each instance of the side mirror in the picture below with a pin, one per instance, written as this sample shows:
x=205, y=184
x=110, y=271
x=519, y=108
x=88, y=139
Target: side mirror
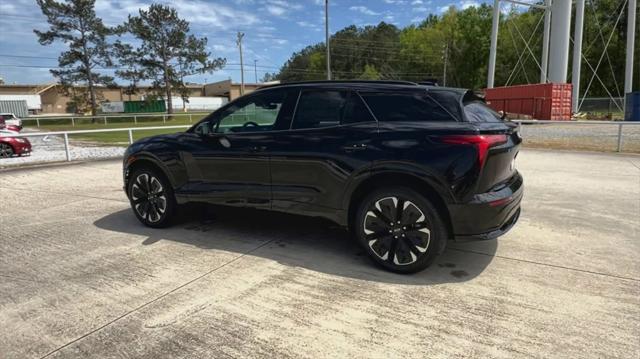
x=503, y=115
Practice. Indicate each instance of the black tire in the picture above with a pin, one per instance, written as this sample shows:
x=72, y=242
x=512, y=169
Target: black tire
x=151, y=197
x=6, y=151
x=406, y=247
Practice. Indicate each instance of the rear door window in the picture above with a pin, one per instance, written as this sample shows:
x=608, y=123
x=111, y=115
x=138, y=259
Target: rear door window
x=406, y=106
x=356, y=111
x=318, y=109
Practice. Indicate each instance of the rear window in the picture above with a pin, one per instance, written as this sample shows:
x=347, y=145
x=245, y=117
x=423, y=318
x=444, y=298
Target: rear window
x=477, y=111
x=405, y=106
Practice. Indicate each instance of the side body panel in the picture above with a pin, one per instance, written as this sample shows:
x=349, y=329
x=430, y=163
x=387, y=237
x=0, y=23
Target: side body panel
x=311, y=168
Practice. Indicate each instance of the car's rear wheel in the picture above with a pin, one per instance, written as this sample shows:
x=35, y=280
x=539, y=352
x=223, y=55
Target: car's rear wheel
x=151, y=197
x=6, y=150
x=400, y=229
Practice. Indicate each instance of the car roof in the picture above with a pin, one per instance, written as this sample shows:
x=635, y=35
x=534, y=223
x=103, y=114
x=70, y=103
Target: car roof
x=365, y=85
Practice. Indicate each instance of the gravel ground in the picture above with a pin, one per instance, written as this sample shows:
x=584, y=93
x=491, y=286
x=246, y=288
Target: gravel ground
x=581, y=137
x=557, y=135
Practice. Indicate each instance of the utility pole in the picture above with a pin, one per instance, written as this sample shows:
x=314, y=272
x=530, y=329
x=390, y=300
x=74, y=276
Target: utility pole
x=494, y=43
x=631, y=33
x=577, y=54
x=326, y=35
x=239, y=42
x=444, y=71
x=544, y=63
x=559, y=49
x=255, y=69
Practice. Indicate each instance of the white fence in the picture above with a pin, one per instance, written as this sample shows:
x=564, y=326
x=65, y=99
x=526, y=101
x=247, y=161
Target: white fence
x=529, y=124
x=73, y=120
x=619, y=124
x=66, y=134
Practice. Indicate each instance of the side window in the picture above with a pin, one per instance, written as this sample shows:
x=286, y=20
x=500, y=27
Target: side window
x=405, y=106
x=477, y=111
x=319, y=109
x=355, y=111
x=255, y=113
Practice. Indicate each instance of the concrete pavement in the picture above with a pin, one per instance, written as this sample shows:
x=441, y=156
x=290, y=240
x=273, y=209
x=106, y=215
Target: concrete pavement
x=80, y=277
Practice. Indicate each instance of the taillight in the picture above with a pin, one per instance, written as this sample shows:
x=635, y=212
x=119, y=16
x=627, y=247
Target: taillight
x=482, y=143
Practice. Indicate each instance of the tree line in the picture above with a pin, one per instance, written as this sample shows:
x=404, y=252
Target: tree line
x=164, y=51
x=453, y=49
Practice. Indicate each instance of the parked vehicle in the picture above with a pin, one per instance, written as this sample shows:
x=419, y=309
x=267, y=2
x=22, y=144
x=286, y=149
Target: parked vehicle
x=404, y=166
x=10, y=146
x=10, y=119
x=13, y=128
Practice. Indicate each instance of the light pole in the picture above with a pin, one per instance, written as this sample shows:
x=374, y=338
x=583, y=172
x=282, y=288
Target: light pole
x=239, y=42
x=326, y=35
x=255, y=69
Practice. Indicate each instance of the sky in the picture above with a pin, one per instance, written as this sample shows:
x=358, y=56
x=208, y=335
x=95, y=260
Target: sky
x=273, y=29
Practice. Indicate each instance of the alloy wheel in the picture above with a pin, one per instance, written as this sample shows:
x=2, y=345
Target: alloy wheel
x=396, y=230
x=148, y=197
x=6, y=151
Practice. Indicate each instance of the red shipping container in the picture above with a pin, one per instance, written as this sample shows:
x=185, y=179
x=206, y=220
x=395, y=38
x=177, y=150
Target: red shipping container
x=540, y=101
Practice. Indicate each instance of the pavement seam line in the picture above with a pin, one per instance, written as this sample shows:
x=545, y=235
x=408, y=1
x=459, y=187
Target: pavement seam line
x=62, y=193
x=155, y=299
x=547, y=264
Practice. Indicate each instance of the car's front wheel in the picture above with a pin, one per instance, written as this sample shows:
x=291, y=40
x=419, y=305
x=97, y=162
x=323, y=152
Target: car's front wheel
x=400, y=229
x=151, y=197
x=6, y=150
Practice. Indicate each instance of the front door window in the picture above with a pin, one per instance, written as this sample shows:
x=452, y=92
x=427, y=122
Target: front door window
x=257, y=113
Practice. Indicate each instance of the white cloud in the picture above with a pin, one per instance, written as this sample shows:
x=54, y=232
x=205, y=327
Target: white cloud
x=195, y=11
x=469, y=3
x=363, y=9
x=275, y=10
x=306, y=24
x=463, y=4
x=416, y=2
x=420, y=9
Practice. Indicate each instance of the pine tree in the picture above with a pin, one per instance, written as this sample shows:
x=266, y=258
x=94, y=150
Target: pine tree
x=74, y=23
x=167, y=52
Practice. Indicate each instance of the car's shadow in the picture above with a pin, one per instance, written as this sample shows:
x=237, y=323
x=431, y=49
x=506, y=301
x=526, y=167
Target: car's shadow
x=298, y=241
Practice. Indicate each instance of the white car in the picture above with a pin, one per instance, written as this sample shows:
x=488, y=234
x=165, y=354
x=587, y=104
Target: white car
x=10, y=120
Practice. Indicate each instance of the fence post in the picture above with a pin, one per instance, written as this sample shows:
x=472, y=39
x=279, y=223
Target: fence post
x=66, y=146
x=73, y=122
x=135, y=119
x=620, y=137
x=190, y=119
x=38, y=122
x=105, y=120
x=164, y=118
x=130, y=136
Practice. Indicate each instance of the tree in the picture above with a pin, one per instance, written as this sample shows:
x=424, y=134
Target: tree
x=268, y=77
x=75, y=24
x=130, y=68
x=369, y=73
x=167, y=52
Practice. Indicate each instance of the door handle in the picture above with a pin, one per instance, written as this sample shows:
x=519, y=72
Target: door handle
x=257, y=148
x=355, y=147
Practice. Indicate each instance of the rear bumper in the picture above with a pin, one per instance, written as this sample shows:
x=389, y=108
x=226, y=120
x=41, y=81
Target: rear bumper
x=488, y=215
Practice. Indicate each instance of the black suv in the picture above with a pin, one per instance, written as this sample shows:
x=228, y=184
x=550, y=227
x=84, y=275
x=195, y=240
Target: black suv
x=404, y=166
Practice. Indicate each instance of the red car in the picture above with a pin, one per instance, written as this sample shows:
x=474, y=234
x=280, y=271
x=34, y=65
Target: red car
x=10, y=146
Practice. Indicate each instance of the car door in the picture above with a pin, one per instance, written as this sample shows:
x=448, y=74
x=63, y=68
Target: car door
x=329, y=144
x=227, y=154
